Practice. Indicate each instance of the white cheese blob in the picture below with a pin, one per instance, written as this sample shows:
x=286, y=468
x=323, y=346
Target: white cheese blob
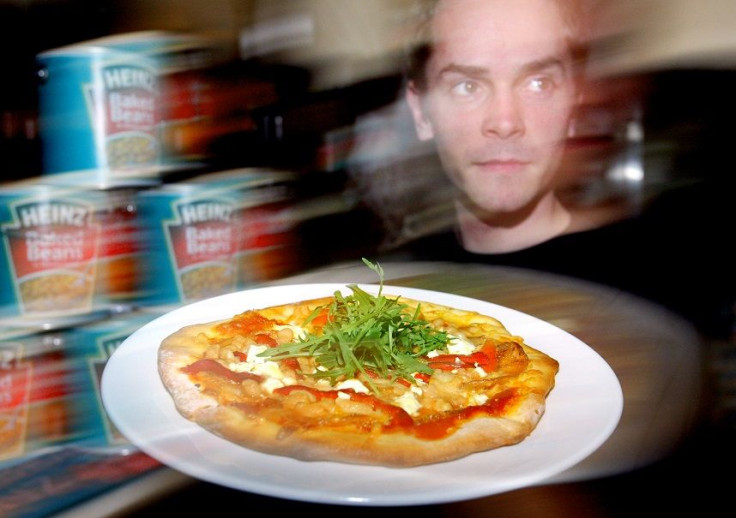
x=253, y=353
x=478, y=399
x=409, y=402
x=271, y=384
x=354, y=384
x=323, y=384
x=257, y=365
x=455, y=345
x=458, y=345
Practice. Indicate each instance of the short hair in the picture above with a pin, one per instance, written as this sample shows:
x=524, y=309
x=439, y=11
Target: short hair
x=419, y=48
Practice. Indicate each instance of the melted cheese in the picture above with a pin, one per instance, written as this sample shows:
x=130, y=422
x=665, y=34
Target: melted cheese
x=477, y=399
x=456, y=344
x=271, y=384
x=409, y=402
x=353, y=384
x=257, y=365
x=459, y=345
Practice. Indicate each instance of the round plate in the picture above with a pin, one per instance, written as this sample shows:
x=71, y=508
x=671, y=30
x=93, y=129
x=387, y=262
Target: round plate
x=582, y=411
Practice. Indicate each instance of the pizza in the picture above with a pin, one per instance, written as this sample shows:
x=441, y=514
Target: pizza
x=359, y=378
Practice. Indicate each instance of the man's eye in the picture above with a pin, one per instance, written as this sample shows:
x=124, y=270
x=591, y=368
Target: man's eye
x=541, y=84
x=465, y=88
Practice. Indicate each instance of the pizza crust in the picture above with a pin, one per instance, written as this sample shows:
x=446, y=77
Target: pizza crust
x=315, y=443
x=394, y=450
x=177, y=352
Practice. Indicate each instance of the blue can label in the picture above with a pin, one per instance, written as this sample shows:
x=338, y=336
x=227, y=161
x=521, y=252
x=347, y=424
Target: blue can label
x=98, y=112
x=51, y=241
x=89, y=348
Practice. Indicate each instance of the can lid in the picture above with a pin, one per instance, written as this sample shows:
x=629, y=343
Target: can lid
x=198, y=50
x=243, y=178
x=10, y=333
x=102, y=179
x=59, y=184
x=160, y=309
x=126, y=41
x=255, y=176
x=32, y=324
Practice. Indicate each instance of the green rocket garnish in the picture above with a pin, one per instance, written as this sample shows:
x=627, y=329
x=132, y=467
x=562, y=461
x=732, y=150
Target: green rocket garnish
x=366, y=333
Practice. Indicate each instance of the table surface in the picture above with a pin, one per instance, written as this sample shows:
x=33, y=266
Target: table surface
x=656, y=355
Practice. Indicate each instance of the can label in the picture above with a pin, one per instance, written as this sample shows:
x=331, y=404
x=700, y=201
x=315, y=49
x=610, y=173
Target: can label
x=190, y=237
x=89, y=347
x=267, y=246
x=203, y=241
x=37, y=392
x=52, y=245
x=187, y=114
x=15, y=384
x=119, y=252
x=98, y=112
x=199, y=235
x=128, y=94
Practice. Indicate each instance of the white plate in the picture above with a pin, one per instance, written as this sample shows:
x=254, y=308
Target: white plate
x=582, y=411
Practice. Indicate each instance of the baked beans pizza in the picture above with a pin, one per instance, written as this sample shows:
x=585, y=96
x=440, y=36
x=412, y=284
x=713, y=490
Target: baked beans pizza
x=359, y=378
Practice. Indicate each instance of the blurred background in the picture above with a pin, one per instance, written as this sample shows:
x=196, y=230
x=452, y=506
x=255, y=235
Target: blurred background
x=157, y=152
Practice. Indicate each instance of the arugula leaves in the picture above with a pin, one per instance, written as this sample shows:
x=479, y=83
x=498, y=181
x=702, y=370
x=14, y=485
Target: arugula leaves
x=370, y=334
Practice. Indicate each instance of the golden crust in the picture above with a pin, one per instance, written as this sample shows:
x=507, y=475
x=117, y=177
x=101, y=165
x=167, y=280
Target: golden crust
x=261, y=424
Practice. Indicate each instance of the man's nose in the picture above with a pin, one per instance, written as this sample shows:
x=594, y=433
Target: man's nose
x=502, y=116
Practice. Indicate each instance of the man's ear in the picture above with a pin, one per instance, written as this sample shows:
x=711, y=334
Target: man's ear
x=422, y=125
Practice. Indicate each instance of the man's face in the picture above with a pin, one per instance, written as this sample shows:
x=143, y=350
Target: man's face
x=500, y=91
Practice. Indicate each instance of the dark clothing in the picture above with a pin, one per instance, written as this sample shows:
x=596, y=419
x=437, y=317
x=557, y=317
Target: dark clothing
x=675, y=253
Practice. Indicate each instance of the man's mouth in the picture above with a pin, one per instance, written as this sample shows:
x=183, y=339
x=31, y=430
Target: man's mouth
x=505, y=165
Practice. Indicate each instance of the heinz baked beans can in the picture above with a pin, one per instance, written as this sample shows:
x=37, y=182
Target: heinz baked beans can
x=50, y=243
x=193, y=233
x=268, y=246
x=97, y=105
x=37, y=391
x=120, y=248
x=89, y=347
x=189, y=235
